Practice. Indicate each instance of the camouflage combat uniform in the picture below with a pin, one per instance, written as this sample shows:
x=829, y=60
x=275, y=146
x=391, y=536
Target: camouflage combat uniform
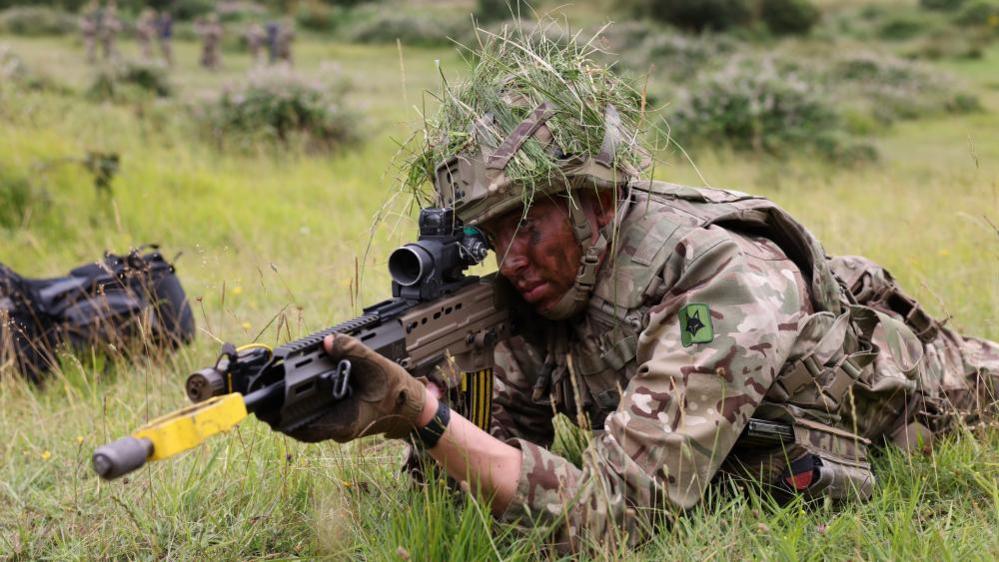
x=108, y=30
x=210, y=31
x=713, y=307
x=89, y=21
x=145, y=31
x=255, y=36
x=164, y=35
x=285, y=37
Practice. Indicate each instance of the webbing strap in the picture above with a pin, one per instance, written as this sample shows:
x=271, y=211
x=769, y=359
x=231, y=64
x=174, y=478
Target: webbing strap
x=806, y=381
x=530, y=125
x=612, y=137
x=925, y=327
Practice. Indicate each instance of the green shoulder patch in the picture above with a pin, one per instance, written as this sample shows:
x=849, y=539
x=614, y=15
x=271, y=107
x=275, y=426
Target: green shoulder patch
x=695, y=325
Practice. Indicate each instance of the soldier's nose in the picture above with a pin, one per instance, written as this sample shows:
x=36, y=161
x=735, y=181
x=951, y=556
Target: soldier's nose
x=511, y=264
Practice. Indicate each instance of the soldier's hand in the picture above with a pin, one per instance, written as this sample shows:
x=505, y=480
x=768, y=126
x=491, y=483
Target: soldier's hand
x=384, y=397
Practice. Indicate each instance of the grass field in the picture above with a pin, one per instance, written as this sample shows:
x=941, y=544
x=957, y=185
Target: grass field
x=279, y=233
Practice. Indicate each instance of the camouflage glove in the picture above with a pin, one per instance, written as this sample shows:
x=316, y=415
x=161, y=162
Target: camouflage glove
x=384, y=398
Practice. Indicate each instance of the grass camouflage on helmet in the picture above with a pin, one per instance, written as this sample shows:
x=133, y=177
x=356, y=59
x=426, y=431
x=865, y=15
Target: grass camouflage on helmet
x=534, y=117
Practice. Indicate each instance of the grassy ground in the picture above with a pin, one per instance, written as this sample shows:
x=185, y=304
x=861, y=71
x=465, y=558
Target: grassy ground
x=279, y=234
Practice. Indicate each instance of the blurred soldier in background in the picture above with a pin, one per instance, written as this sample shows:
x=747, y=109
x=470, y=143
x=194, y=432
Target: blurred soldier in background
x=108, y=30
x=285, y=37
x=273, y=28
x=210, y=31
x=145, y=31
x=255, y=36
x=89, y=21
x=164, y=34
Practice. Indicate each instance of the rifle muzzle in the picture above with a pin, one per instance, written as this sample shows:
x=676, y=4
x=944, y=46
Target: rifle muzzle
x=121, y=457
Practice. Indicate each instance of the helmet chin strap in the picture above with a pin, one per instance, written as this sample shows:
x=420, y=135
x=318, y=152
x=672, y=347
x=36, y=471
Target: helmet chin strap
x=575, y=299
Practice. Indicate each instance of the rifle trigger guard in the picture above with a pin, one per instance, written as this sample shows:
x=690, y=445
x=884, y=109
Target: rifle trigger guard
x=341, y=380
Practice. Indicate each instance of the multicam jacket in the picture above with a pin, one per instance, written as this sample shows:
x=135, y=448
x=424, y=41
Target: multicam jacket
x=712, y=307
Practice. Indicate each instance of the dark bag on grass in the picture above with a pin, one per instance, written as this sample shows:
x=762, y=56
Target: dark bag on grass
x=26, y=331
x=123, y=303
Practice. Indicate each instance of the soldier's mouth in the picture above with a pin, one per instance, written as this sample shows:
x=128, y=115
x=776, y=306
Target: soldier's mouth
x=533, y=292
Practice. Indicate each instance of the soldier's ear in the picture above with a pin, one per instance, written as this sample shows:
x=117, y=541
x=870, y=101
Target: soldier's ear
x=603, y=207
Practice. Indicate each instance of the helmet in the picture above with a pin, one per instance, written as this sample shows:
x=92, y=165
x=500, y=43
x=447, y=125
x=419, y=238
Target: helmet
x=536, y=118
x=475, y=183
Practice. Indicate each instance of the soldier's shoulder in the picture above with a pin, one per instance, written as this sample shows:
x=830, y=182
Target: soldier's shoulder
x=664, y=213
x=668, y=190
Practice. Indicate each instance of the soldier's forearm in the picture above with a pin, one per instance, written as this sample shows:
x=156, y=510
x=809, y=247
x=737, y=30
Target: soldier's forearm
x=467, y=453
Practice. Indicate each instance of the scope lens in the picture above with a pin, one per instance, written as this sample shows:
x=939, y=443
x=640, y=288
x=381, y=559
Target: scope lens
x=406, y=265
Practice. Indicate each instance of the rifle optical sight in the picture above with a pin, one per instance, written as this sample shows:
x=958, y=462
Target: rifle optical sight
x=439, y=257
x=408, y=264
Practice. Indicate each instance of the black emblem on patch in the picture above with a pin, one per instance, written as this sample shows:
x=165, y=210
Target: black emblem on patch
x=694, y=323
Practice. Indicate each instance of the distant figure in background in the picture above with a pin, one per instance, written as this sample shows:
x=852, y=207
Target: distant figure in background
x=285, y=37
x=210, y=31
x=145, y=31
x=255, y=36
x=164, y=34
x=89, y=22
x=273, y=28
x=108, y=30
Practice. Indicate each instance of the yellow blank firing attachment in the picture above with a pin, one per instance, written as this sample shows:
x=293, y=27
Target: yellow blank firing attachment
x=169, y=435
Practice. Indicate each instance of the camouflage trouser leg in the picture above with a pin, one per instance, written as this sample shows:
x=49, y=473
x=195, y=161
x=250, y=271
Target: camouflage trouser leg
x=90, y=44
x=167, y=50
x=961, y=374
x=107, y=48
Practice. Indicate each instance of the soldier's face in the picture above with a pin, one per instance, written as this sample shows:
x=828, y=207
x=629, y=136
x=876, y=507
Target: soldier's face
x=538, y=252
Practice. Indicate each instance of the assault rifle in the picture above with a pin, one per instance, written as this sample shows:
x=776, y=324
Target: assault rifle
x=437, y=315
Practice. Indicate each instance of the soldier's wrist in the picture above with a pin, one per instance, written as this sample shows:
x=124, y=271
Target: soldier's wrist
x=429, y=409
x=429, y=434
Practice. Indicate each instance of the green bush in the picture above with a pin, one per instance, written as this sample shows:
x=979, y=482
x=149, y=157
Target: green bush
x=36, y=20
x=789, y=17
x=756, y=106
x=279, y=106
x=129, y=80
x=698, y=15
x=488, y=11
x=949, y=42
x=963, y=103
x=983, y=13
x=190, y=9
x=317, y=16
x=386, y=24
x=941, y=5
x=895, y=89
x=681, y=56
x=902, y=27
